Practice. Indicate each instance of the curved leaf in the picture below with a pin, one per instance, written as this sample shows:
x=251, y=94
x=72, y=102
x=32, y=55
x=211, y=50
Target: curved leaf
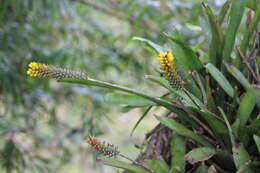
x=182, y=130
x=159, y=80
x=221, y=79
x=199, y=154
x=216, y=43
x=240, y=155
x=247, y=105
x=236, y=13
x=190, y=61
x=238, y=75
x=153, y=45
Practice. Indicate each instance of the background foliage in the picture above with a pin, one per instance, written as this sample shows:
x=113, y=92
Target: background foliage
x=43, y=123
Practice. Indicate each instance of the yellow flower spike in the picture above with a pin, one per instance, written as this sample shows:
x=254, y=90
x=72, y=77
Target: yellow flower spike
x=104, y=148
x=49, y=71
x=167, y=65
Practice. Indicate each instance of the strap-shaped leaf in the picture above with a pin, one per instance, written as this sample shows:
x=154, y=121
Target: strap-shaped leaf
x=248, y=33
x=123, y=165
x=238, y=75
x=224, y=11
x=190, y=61
x=216, y=43
x=240, y=155
x=221, y=79
x=98, y=83
x=178, y=149
x=236, y=13
x=247, y=105
x=182, y=130
x=153, y=45
x=159, y=165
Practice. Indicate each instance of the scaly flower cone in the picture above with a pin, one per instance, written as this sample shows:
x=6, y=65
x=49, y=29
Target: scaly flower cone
x=168, y=68
x=50, y=71
x=104, y=148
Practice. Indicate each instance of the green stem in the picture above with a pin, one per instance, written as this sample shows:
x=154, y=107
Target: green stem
x=92, y=82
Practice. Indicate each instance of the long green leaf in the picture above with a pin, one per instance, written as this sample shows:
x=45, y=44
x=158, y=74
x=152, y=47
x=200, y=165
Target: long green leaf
x=238, y=75
x=127, y=99
x=123, y=165
x=182, y=130
x=220, y=78
x=97, y=83
x=240, y=155
x=231, y=135
x=159, y=166
x=191, y=61
x=153, y=45
x=217, y=125
x=246, y=106
x=246, y=38
x=161, y=81
x=164, y=83
x=224, y=11
x=215, y=48
x=236, y=13
x=178, y=148
x=214, y=123
x=141, y=118
x=198, y=80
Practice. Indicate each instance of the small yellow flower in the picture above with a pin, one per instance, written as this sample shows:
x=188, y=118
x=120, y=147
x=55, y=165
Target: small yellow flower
x=166, y=60
x=167, y=65
x=104, y=148
x=49, y=71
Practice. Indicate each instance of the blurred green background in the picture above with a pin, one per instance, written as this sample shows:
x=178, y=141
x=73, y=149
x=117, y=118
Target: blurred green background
x=43, y=124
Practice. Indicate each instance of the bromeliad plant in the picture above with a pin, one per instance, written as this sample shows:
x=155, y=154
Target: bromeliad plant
x=213, y=101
